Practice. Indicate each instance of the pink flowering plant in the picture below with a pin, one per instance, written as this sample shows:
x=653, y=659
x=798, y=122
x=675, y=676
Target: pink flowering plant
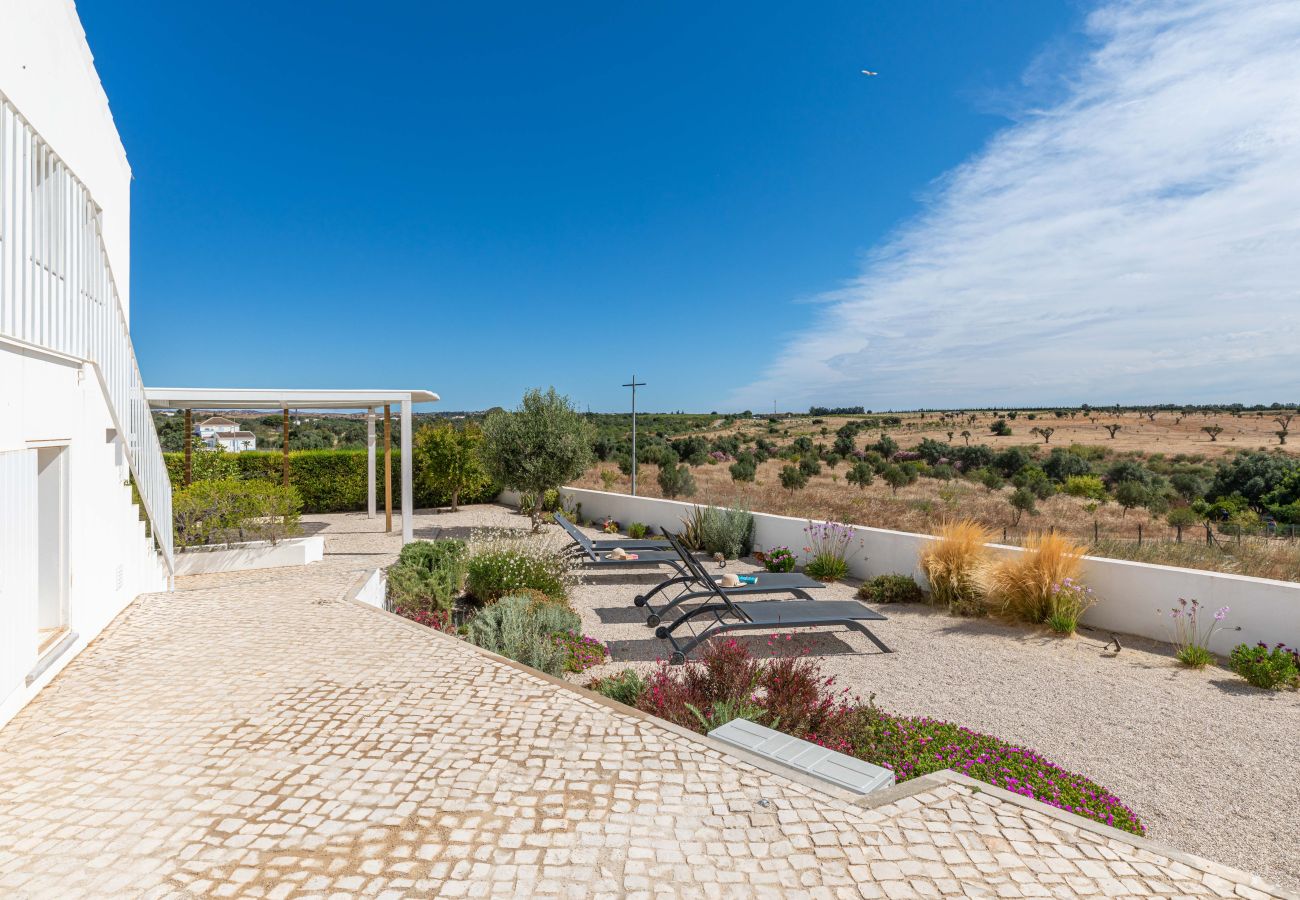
x=1193, y=628
x=828, y=550
x=777, y=559
x=1067, y=601
x=581, y=651
x=788, y=692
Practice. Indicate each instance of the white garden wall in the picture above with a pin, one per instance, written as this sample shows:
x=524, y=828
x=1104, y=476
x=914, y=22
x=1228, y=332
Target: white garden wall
x=251, y=555
x=1131, y=594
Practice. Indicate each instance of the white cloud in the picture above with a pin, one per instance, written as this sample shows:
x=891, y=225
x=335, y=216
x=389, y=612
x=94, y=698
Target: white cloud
x=1137, y=241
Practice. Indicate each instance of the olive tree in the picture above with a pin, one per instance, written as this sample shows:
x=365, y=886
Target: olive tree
x=538, y=447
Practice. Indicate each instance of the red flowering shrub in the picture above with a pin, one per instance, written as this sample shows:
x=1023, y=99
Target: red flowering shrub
x=724, y=675
x=437, y=619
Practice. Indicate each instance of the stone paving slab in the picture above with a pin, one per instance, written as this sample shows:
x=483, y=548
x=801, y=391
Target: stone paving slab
x=267, y=737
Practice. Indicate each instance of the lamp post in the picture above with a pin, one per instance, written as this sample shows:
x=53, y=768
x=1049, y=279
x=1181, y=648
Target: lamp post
x=634, y=384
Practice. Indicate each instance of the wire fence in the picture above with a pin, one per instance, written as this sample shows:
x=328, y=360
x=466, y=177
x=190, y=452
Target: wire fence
x=1142, y=533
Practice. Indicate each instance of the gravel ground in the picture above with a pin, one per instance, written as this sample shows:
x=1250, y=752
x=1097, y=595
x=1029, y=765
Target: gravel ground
x=1210, y=764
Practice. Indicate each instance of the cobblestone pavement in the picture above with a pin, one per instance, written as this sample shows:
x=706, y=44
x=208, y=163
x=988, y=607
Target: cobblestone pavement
x=259, y=735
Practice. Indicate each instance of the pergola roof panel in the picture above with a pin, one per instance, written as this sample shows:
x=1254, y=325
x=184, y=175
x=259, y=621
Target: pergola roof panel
x=278, y=398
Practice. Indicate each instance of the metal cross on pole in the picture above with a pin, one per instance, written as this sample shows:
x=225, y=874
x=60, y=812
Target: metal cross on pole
x=634, y=384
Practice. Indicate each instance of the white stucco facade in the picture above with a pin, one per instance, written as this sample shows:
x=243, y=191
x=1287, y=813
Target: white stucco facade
x=48, y=73
x=75, y=546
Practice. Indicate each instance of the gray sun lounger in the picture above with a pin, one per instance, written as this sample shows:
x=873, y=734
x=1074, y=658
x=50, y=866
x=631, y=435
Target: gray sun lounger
x=598, y=557
x=692, y=587
x=731, y=615
x=599, y=545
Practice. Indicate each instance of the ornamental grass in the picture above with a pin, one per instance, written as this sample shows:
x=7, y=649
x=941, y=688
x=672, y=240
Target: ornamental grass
x=1028, y=586
x=952, y=562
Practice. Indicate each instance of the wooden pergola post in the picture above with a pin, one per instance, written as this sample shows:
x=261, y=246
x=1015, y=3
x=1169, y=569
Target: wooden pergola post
x=284, y=455
x=189, y=440
x=388, y=467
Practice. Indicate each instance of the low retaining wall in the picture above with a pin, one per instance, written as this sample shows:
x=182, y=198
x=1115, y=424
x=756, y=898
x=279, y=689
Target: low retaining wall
x=252, y=555
x=1130, y=594
x=373, y=591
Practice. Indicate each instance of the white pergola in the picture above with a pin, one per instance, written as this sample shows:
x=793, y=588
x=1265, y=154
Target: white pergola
x=260, y=398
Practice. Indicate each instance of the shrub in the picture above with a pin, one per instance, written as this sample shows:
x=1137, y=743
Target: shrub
x=793, y=478
x=676, y=480
x=913, y=746
x=428, y=575
x=503, y=563
x=516, y=628
x=326, y=480
x=951, y=562
x=1089, y=487
x=897, y=477
x=723, y=674
x=743, y=470
x=1192, y=633
x=625, y=687
x=727, y=531
x=637, y=530
x=437, y=619
x=777, y=559
x=581, y=652
x=1272, y=669
x=539, y=447
x=1000, y=428
x=892, y=589
x=446, y=461
x=1022, y=501
x=232, y=511
x=860, y=474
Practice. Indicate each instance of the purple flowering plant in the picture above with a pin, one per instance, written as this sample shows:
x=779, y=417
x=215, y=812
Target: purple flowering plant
x=1193, y=628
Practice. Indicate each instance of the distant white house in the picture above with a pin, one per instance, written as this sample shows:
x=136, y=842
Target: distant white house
x=221, y=432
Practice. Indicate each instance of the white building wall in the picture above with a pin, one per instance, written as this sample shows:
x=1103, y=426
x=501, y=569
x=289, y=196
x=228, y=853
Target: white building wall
x=48, y=73
x=48, y=399
x=43, y=400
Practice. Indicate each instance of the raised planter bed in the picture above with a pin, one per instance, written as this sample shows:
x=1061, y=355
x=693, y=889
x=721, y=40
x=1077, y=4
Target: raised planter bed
x=251, y=555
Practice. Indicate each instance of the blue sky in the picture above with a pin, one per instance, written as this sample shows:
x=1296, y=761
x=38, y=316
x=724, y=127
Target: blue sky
x=478, y=199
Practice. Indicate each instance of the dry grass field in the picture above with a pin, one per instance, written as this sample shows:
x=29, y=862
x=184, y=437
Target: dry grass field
x=922, y=506
x=1162, y=432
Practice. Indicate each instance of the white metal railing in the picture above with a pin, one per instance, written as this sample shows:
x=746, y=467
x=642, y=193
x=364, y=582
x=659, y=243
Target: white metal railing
x=57, y=293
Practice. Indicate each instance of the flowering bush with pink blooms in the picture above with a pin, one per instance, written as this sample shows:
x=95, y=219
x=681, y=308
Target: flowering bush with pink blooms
x=789, y=693
x=582, y=651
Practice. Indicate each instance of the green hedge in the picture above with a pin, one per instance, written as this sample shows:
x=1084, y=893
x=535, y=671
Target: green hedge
x=327, y=480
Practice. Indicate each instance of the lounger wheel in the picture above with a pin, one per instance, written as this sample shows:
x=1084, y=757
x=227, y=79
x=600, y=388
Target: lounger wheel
x=677, y=658
x=661, y=632
x=639, y=600
x=652, y=620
